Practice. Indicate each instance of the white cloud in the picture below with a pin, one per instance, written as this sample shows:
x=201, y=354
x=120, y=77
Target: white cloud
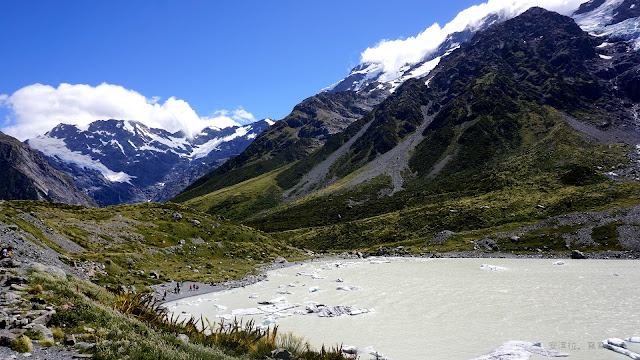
x=37, y=108
x=393, y=54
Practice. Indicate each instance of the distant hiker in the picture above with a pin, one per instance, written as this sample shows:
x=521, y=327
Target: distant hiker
x=165, y=295
x=197, y=287
x=190, y=287
x=7, y=252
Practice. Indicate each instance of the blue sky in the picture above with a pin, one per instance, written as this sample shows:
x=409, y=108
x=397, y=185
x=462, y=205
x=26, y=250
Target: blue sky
x=262, y=57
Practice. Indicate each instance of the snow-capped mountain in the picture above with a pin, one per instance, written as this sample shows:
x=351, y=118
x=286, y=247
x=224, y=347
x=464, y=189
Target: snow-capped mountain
x=614, y=19
x=124, y=161
x=390, y=64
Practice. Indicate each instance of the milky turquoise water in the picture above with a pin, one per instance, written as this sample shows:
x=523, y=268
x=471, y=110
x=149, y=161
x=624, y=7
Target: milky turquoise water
x=450, y=308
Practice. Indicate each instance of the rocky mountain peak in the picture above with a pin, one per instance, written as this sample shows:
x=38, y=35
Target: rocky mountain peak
x=125, y=161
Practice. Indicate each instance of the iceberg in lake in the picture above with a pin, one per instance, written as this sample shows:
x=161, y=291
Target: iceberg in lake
x=492, y=267
x=333, y=311
x=218, y=307
x=277, y=300
x=348, y=288
x=519, y=350
x=619, y=346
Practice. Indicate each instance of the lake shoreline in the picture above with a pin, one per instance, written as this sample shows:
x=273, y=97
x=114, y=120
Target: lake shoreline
x=207, y=288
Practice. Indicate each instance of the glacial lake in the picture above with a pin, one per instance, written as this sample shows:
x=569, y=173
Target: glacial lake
x=447, y=308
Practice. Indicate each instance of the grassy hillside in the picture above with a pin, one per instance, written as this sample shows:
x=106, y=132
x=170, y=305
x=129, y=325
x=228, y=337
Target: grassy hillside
x=123, y=244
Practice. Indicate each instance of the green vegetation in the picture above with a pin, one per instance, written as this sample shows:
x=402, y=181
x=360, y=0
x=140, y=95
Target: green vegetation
x=134, y=325
x=22, y=344
x=123, y=245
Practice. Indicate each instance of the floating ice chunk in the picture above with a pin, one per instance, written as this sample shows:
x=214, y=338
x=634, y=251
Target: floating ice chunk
x=379, y=261
x=292, y=285
x=333, y=311
x=492, y=267
x=277, y=307
x=285, y=292
x=247, y=312
x=277, y=300
x=225, y=317
x=269, y=320
x=317, y=277
x=619, y=346
x=519, y=350
x=376, y=355
x=218, y=307
x=633, y=339
x=254, y=296
x=349, y=349
x=339, y=280
x=314, y=289
x=558, y=263
x=616, y=342
x=348, y=288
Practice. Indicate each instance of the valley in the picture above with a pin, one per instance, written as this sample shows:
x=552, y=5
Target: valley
x=512, y=144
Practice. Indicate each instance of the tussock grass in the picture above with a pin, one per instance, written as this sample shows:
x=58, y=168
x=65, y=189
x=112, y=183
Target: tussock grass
x=137, y=326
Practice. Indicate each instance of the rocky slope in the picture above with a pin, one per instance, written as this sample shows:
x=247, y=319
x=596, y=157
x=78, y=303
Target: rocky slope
x=118, y=161
x=372, y=80
x=304, y=130
x=25, y=175
x=532, y=111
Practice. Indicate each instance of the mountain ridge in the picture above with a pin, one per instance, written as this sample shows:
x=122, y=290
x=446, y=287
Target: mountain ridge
x=124, y=161
x=26, y=175
x=490, y=120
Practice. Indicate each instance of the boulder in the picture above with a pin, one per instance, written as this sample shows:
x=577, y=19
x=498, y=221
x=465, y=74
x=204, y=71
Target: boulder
x=176, y=216
x=85, y=345
x=44, y=318
x=577, y=254
x=10, y=263
x=282, y=354
x=8, y=336
x=53, y=270
x=280, y=260
x=44, y=332
x=15, y=280
x=183, y=338
x=16, y=287
x=70, y=340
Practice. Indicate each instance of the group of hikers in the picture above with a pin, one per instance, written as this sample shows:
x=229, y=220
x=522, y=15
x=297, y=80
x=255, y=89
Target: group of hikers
x=194, y=287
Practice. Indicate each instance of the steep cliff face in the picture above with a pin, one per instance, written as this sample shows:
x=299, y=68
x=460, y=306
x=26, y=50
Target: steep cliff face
x=26, y=175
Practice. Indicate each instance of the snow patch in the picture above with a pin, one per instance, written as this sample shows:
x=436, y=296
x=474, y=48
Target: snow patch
x=200, y=151
x=58, y=148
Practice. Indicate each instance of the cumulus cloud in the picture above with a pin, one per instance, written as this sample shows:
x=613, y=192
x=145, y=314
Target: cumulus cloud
x=393, y=54
x=37, y=108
